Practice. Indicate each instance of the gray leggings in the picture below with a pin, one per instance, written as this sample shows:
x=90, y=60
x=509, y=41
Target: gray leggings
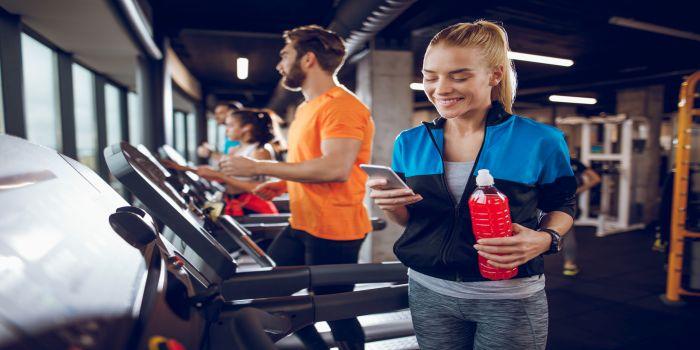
x=447, y=323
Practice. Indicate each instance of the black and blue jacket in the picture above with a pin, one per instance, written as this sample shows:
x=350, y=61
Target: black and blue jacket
x=530, y=164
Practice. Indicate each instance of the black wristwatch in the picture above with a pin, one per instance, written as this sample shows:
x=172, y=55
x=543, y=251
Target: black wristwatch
x=555, y=246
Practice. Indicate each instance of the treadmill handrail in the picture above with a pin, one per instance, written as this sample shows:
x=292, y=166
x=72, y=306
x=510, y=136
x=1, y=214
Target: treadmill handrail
x=308, y=309
x=250, y=326
x=242, y=237
x=287, y=280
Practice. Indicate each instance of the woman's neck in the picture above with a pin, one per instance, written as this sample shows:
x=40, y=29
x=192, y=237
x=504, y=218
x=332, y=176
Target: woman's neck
x=247, y=143
x=469, y=123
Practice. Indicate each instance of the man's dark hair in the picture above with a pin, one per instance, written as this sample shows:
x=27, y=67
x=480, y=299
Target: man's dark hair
x=325, y=44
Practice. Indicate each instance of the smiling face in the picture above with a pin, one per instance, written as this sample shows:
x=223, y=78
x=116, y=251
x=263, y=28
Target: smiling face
x=457, y=80
x=289, y=67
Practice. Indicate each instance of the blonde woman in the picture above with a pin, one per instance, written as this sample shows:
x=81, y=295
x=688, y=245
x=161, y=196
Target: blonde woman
x=468, y=77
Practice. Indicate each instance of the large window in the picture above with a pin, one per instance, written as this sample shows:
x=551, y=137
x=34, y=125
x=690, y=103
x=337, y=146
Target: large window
x=39, y=68
x=113, y=115
x=85, y=117
x=135, y=119
x=211, y=132
x=180, y=132
x=220, y=137
x=192, y=136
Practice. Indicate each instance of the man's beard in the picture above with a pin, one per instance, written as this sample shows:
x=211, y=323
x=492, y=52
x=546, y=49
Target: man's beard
x=294, y=78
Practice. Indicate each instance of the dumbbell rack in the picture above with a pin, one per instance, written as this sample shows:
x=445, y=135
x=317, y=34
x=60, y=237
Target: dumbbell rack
x=679, y=232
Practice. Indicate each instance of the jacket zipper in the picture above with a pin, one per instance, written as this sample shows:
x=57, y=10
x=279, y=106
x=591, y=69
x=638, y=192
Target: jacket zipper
x=455, y=213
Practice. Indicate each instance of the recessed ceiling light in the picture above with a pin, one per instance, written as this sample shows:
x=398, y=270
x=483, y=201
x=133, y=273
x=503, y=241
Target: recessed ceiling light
x=573, y=99
x=540, y=59
x=242, y=68
x=417, y=86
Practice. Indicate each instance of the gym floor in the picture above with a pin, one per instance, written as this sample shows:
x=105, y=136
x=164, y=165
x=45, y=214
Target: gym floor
x=614, y=301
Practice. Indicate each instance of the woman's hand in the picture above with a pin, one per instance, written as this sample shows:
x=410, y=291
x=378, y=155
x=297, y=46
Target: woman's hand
x=174, y=166
x=510, y=252
x=204, y=150
x=271, y=189
x=209, y=173
x=391, y=200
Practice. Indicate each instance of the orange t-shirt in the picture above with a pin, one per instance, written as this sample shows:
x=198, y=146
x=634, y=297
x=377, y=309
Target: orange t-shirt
x=331, y=210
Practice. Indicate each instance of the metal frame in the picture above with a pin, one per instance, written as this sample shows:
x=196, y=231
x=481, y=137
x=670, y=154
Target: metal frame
x=679, y=232
x=124, y=109
x=606, y=224
x=101, y=115
x=12, y=78
x=67, y=104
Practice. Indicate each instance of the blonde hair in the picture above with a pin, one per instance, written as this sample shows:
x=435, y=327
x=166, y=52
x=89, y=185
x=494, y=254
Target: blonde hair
x=492, y=39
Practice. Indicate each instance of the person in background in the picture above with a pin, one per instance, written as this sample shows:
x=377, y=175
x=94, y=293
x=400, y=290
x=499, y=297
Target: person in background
x=253, y=130
x=221, y=111
x=586, y=178
x=331, y=135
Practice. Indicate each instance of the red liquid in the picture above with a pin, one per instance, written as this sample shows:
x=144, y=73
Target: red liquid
x=490, y=219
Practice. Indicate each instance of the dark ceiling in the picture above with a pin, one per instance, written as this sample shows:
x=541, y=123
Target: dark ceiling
x=209, y=35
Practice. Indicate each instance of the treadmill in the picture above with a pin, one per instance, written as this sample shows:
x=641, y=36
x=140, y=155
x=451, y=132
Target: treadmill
x=263, y=227
x=267, y=291
x=67, y=280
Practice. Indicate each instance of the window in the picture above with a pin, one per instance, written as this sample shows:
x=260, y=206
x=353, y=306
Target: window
x=211, y=132
x=135, y=119
x=113, y=114
x=85, y=117
x=220, y=137
x=40, y=93
x=192, y=136
x=180, y=133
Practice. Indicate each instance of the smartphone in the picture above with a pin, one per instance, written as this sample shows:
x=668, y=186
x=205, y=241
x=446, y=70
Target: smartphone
x=384, y=172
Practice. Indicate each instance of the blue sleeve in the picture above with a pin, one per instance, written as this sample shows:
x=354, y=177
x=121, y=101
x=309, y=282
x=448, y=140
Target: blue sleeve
x=557, y=184
x=397, y=161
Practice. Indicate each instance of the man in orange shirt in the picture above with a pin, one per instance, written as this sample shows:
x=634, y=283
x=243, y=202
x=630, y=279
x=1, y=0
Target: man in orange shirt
x=331, y=135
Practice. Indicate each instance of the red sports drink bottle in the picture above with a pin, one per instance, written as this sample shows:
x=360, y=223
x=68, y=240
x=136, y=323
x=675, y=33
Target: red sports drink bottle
x=490, y=219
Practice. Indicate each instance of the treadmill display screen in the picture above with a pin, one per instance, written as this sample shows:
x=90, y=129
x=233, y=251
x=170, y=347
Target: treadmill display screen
x=149, y=184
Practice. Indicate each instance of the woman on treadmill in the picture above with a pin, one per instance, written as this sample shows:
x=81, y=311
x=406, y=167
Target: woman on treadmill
x=255, y=130
x=470, y=80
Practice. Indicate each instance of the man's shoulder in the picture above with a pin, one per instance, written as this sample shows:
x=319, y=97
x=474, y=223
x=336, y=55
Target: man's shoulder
x=343, y=99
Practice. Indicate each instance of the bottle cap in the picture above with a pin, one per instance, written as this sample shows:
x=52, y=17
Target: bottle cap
x=484, y=178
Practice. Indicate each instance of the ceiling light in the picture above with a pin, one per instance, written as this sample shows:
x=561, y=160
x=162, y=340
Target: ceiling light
x=573, y=99
x=417, y=86
x=540, y=59
x=242, y=68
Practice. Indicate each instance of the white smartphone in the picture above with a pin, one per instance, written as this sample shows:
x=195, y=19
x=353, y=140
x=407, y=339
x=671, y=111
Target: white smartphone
x=384, y=172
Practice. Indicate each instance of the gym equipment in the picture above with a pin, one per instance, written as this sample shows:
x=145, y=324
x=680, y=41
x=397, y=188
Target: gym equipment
x=68, y=281
x=261, y=227
x=270, y=287
x=613, y=165
x=680, y=230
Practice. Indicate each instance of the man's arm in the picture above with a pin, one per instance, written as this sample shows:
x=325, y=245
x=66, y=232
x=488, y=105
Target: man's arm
x=334, y=165
x=590, y=180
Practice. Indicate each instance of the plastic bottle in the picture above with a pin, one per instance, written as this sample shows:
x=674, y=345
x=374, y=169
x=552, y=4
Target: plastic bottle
x=490, y=216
